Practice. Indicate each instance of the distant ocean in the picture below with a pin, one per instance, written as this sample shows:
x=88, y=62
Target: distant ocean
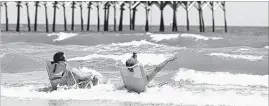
x=213, y=68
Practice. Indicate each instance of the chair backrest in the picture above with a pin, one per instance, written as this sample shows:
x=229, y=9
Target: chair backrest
x=136, y=80
x=49, y=68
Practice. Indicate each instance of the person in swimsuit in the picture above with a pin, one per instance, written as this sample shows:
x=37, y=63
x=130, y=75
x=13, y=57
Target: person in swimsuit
x=61, y=74
x=152, y=73
x=131, y=62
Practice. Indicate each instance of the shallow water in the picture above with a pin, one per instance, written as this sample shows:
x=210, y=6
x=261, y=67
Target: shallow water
x=212, y=68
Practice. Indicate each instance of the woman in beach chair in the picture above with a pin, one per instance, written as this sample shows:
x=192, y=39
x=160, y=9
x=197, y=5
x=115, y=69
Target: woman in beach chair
x=60, y=74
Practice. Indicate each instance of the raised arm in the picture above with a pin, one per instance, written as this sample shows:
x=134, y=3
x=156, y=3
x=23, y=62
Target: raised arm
x=159, y=67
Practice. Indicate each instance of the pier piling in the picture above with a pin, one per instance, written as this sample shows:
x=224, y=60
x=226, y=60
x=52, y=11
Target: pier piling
x=121, y=5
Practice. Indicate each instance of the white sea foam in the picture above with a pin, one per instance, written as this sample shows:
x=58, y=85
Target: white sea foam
x=200, y=37
x=84, y=71
x=267, y=47
x=221, y=78
x=123, y=47
x=62, y=36
x=243, y=49
x=236, y=56
x=146, y=59
x=160, y=37
x=133, y=43
x=2, y=55
x=165, y=95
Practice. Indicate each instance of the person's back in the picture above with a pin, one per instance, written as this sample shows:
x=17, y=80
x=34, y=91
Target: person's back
x=133, y=67
x=56, y=70
x=57, y=74
x=134, y=80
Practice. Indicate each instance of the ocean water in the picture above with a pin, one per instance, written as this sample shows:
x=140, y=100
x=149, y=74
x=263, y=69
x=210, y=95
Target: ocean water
x=216, y=69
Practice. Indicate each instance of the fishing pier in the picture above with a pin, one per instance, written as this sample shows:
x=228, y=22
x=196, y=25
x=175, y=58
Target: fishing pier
x=121, y=6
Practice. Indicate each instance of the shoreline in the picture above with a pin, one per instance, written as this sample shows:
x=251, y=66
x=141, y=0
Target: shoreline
x=12, y=101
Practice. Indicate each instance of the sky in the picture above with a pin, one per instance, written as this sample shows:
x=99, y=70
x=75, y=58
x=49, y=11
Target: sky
x=238, y=14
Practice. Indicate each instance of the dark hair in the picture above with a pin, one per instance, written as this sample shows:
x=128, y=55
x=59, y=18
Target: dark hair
x=131, y=62
x=59, y=56
x=134, y=55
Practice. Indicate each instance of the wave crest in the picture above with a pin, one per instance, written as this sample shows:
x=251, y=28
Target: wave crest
x=144, y=58
x=199, y=37
x=133, y=43
x=62, y=36
x=221, y=78
x=160, y=37
x=235, y=56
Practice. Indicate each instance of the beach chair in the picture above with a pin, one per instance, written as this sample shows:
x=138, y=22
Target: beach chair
x=136, y=80
x=55, y=80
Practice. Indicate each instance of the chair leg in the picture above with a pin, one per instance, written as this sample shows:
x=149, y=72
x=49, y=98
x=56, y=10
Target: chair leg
x=89, y=82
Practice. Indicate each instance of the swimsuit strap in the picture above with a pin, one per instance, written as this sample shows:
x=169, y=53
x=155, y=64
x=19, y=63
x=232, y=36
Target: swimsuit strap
x=55, y=78
x=54, y=68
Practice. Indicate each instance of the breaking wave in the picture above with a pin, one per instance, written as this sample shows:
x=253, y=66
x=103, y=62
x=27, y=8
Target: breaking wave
x=62, y=36
x=199, y=37
x=164, y=94
x=144, y=58
x=221, y=78
x=160, y=37
x=134, y=43
x=236, y=56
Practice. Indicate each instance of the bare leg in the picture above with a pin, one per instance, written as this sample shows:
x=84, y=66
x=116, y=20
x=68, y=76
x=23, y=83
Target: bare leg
x=53, y=85
x=158, y=68
x=82, y=77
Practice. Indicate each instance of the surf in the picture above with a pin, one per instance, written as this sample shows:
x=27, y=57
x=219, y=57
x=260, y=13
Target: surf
x=155, y=95
x=62, y=36
x=237, y=56
x=145, y=58
x=220, y=78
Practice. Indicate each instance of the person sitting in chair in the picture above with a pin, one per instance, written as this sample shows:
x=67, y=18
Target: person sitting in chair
x=60, y=73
